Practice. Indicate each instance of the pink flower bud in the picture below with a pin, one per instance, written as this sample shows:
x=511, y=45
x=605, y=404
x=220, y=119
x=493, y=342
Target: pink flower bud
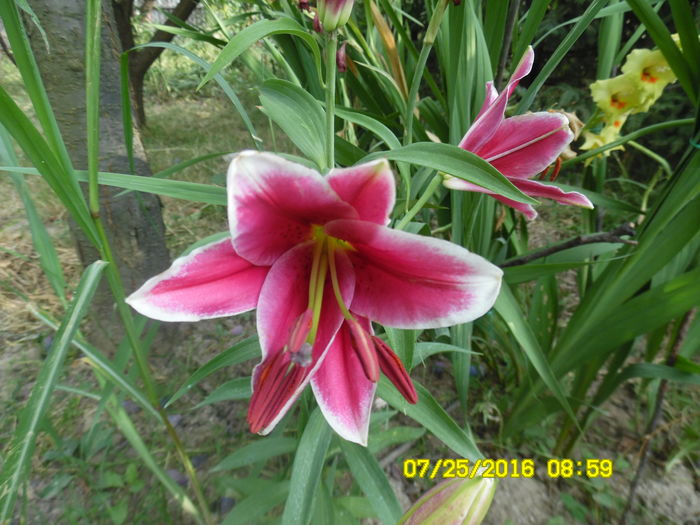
x=341, y=58
x=317, y=24
x=334, y=13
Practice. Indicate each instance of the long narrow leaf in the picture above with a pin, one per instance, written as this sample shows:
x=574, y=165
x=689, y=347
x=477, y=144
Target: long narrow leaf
x=16, y=464
x=306, y=471
x=373, y=482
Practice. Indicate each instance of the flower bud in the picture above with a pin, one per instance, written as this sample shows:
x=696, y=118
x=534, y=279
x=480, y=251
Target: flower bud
x=341, y=59
x=334, y=13
x=453, y=502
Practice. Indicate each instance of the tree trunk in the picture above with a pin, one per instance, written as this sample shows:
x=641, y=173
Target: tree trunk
x=133, y=222
x=140, y=61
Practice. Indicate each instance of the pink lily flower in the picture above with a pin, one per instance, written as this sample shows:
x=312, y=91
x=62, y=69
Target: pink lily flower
x=519, y=147
x=314, y=255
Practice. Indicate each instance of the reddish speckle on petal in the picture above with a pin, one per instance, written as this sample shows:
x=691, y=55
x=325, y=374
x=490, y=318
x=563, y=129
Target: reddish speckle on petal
x=648, y=77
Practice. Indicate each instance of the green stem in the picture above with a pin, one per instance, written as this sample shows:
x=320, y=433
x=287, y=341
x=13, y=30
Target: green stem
x=92, y=90
x=331, y=49
x=418, y=206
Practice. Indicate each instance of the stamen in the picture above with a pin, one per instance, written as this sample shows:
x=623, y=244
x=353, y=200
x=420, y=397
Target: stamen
x=364, y=349
x=300, y=331
x=557, y=168
x=394, y=370
x=335, y=282
x=277, y=381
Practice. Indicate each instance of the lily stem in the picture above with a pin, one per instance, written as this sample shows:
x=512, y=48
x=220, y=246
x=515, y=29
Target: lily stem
x=418, y=206
x=331, y=50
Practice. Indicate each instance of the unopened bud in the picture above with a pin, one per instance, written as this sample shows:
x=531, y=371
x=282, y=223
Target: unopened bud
x=334, y=13
x=317, y=24
x=341, y=58
x=453, y=502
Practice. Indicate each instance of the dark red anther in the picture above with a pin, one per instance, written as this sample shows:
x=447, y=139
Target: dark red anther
x=317, y=24
x=304, y=5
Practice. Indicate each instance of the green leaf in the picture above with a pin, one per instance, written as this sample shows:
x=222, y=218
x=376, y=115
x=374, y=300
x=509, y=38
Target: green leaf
x=509, y=310
x=41, y=240
x=106, y=367
x=456, y=162
x=430, y=414
x=256, y=452
x=256, y=505
x=238, y=353
x=298, y=114
x=425, y=350
x=233, y=390
x=559, y=54
x=373, y=482
x=306, y=470
x=257, y=31
x=17, y=462
x=130, y=432
x=387, y=437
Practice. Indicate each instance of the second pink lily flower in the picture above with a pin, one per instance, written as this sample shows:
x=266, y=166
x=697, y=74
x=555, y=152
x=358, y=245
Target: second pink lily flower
x=520, y=147
x=314, y=255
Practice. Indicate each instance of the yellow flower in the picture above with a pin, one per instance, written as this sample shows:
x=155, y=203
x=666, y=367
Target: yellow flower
x=617, y=96
x=652, y=73
x=609, y=133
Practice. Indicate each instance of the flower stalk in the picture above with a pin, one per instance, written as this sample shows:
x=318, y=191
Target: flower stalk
x=331, y=67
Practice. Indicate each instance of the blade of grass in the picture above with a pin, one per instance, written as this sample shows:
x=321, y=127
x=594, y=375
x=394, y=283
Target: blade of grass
x=16, y=465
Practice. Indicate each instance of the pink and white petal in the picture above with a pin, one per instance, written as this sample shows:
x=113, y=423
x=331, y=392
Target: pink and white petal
x=489, y=97
x=454, y=183
x=370, y=188
x=525, y=145
x=527, y=209
x=490, y=117
x=538, y=189
x=406, y=280
x=342, y=390
x=273, y=203
x=521, y=70
x=283, y=299
x=462, y=185
x=211, y=281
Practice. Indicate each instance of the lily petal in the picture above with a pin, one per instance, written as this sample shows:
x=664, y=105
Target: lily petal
x=406, y=280
x=525, y=145
x=370, y=188
x=538, y=189
x=490, y=117
x=342, y=390
x=273, y=203
x=283, y=300
x=211, y=281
